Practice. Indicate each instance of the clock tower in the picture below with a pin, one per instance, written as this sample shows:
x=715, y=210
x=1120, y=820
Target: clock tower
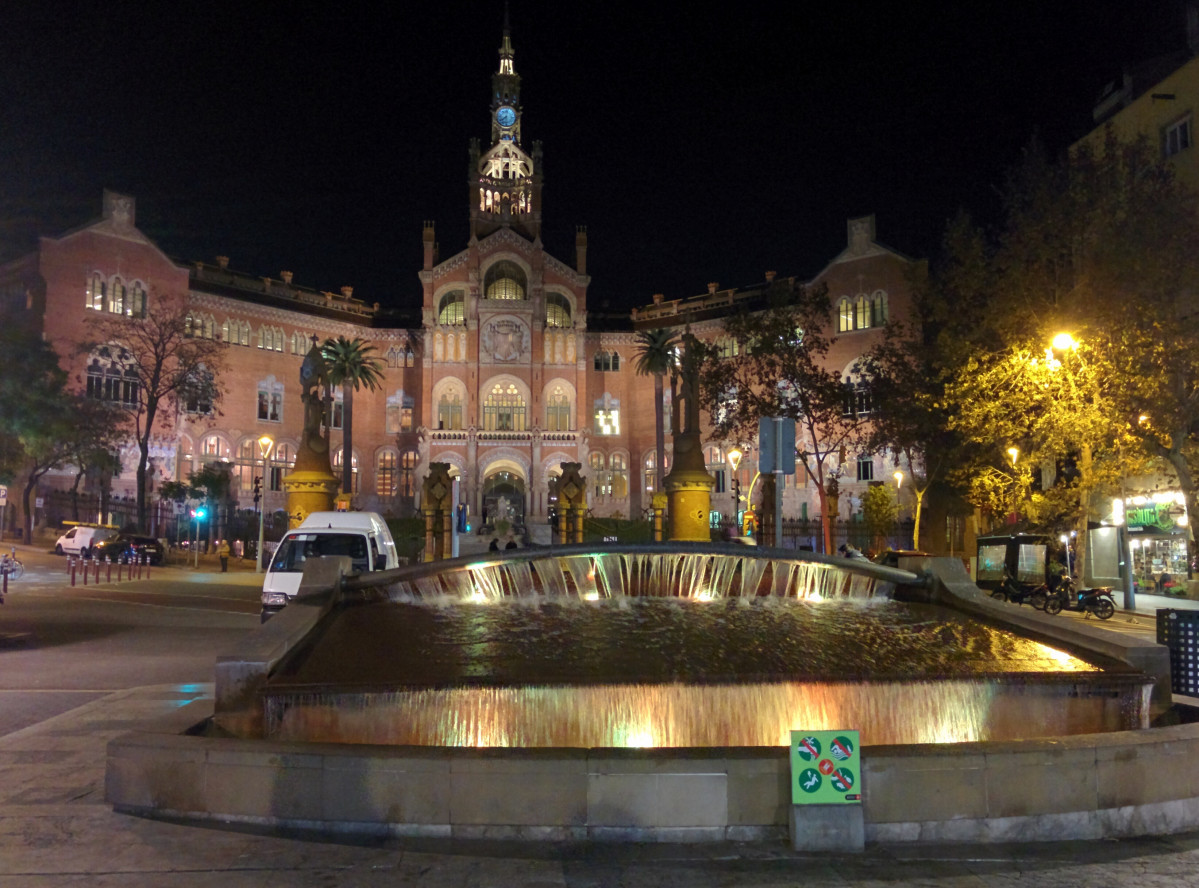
x=505, y=183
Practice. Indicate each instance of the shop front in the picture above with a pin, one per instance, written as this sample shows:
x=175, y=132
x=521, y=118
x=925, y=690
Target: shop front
x=1157, y=539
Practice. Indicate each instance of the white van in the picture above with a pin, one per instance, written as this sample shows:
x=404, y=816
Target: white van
x=80, y=539
x=363, y=537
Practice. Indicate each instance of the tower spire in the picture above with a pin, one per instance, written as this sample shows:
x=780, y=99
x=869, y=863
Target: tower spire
x=506, y=182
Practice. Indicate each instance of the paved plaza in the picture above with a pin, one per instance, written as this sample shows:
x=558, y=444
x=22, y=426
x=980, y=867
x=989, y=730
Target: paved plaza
x=56, y=830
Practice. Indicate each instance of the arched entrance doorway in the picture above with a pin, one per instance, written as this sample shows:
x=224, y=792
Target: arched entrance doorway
x=504, y=498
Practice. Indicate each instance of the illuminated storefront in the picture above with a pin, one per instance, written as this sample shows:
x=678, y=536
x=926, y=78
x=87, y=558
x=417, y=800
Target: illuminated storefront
x=1157, y=530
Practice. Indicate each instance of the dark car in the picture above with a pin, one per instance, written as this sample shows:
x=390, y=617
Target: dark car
x=128, y=547
x=890, y=558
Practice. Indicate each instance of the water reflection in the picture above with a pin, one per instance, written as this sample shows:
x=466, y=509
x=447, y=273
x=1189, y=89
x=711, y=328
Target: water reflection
x=682, y=672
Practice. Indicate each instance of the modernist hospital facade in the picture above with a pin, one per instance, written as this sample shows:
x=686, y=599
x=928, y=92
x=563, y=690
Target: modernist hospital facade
x=491, y=364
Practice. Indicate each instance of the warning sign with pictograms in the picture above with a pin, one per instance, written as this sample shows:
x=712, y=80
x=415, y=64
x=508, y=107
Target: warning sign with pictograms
x=826, y=768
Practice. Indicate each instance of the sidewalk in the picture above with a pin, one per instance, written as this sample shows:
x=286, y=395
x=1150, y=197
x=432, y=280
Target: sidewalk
x=56, y=830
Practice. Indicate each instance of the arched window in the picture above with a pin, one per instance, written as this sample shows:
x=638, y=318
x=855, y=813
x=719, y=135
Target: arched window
x=196, y=395
x=449, y=411
x=863, y=313
x=504, y=410
x=844, y=315
x=214, y=448
x=136, y=306
x=95, y=292
x=651, y=462
x=399, y=416
x=116, y=296
x=607, y=361
x=244, y=469
x=386, y=475
x=865, y=467
x=409, y=358
x=283, y=457
x=878, y=309
x=557, y=310
x=408, y=461
x=112, y=376
x=601, y=478
x=557, y=411
x=451, y=311
x=620, y=475
x=505, y=280
x=338, y=457
x=270, y=400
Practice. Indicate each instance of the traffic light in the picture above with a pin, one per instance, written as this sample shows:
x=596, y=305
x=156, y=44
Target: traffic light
x=257, y=489
x=199, y=513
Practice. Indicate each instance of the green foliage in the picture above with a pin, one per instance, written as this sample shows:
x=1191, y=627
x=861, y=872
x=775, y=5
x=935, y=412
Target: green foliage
x=1103, y=245
x=351, y=364
x=409, y=536
x=880, y=511
x=781, y=370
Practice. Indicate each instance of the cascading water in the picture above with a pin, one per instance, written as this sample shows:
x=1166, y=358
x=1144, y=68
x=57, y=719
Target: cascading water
x=689, y=649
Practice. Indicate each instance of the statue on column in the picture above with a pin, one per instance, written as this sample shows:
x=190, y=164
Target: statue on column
x=311, y=484
x=688, y=486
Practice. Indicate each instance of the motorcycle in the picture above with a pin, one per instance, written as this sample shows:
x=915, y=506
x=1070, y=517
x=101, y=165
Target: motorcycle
x=1039, y=597
x=1097, y=601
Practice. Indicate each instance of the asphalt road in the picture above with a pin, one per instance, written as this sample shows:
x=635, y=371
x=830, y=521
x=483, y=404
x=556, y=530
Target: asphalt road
x=64, y=646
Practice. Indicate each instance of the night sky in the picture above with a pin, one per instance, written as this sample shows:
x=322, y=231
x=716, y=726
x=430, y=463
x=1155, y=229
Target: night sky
x=695, y=146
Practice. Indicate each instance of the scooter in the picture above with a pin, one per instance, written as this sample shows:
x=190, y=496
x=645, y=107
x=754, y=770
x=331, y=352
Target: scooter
x=1097, y=601
x=1038, y=596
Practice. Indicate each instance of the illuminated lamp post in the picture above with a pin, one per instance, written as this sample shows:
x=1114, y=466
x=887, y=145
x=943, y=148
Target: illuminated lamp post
x=265, y=443
x=898, y=475
x=734, y=458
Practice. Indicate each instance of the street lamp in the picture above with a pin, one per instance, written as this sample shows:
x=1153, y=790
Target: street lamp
x=734, y=458
x=1014, y=453
x=265, y=443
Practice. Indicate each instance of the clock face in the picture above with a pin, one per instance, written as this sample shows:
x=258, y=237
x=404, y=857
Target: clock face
x=505, y=116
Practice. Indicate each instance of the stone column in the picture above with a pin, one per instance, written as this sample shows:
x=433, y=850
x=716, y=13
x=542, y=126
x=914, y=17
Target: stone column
x=572, y=503
x=437, y=508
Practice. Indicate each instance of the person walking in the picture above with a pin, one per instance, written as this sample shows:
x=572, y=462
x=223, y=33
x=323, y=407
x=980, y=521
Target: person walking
x=223, y=553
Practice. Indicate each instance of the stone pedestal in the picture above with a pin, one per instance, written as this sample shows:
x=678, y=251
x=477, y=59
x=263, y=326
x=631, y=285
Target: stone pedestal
x=308, y=491
x=828, y=828
x=437, y=508
x=572, y=504
x=689, y=491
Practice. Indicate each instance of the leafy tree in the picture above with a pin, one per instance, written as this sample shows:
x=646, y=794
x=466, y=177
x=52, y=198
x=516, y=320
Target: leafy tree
x=903, y=375
x=880, y=512
x=1102, y=245
x=45, y=427
x=171, y=366
x=351, y=365
x=657, y=355
x=780, y=371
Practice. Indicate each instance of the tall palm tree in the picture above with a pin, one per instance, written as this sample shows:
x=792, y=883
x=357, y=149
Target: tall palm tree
x=657, y=355
x=352, y=366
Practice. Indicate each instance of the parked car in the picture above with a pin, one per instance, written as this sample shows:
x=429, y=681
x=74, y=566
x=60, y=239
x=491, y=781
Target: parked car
x=80, y=539
x=891, y=557
x=128, y=547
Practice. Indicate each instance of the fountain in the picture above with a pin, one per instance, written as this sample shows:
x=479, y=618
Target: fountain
x=646, y=692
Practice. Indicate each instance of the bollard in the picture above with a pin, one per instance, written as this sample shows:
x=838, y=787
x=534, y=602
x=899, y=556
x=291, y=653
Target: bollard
x=147, y=567
x=97, y=576
x=120, y=564
x=71, y=568
x=4, y=590
x=108, y=561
